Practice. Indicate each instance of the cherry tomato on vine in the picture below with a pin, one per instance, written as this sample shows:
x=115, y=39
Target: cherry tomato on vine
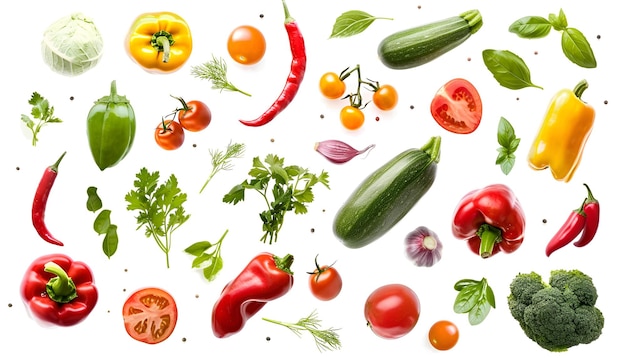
x=332, y=86
x=195, y=117
x=325, y=282
x=443, y=335
x=351, y=117
x=150, y=315
x=457, y=107
x=169, y=134
x=385, y=97
x=392, y=310
x=246, y=45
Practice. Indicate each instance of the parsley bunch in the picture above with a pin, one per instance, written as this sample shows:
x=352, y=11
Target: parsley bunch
x=42, y=112
x=284, y=188
x=160, y=207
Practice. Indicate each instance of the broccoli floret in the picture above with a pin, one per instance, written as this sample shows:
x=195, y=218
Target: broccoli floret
x=557, y=315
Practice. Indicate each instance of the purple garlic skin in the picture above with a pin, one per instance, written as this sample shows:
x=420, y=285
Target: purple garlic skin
x=339, y=152
x=423, y=247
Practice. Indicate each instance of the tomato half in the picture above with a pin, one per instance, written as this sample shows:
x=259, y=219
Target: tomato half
x=443, y=335
x=331, y=85
x=246, y=45
x=385, y=97
x=457, y=107
x=196, y=118
x=169, y=135
x=392, y=310
x=325, y=282
x=150, y=315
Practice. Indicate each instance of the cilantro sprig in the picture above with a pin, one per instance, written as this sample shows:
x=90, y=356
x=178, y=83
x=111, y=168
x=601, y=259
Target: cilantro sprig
x=284, y=188
x=42, y=112
x=508, y=145
x=160, y=207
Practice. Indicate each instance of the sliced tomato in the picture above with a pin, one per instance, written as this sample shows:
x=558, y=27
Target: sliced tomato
x=150, y=315
x=457, y=107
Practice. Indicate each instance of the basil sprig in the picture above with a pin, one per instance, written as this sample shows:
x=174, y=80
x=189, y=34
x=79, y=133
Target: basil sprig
x=573, y=43
x=508, y=145
x=353, y=22
x=508, y=69
x=475, y=298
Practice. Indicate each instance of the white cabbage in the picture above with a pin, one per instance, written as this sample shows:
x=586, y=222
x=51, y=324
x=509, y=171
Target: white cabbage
x=72, y=45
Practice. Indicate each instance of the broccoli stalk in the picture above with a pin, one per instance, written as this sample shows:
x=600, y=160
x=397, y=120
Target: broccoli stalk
x=559, y=314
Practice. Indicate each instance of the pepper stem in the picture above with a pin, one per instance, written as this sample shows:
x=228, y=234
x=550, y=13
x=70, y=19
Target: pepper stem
x=432, y=148
x=580, y=88
x=288, y=18
x=489, y=237
x=55, y=167
x=162, y=41
x=284, y=263
x=60, y=288
x=590, y=197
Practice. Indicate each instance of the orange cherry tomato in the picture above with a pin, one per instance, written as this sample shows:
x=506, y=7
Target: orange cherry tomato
x=150, y=315
x=246, y=45
x=332, y=86
x=443, y=335
x=169, y=135
x=385, y=97
x=351, y=117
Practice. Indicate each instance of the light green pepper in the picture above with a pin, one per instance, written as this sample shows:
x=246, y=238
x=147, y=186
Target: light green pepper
x=110, y=129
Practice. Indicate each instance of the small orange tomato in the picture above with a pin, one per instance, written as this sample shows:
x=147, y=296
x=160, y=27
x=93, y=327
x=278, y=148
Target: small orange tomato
x=246, y=45
x=169, y=135
x=386, y=97
x=351, y=117
x=443, y=335
x=332, y=86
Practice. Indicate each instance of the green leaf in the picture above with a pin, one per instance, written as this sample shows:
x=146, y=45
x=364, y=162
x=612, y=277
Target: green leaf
x=577, y=49
x=479, y=312
x=353, y=22
x=235, y=195
x=508, y=69
x=94, y=203
x=200, y=260
x=490, y=297
x=461, y=284
x=559, y=22
x=531, y=27
x=28, y=121
x=508, y=145
x=110, y=242
x=103, y=222
x=211, y=271
x=198, y=248
x=467, y=298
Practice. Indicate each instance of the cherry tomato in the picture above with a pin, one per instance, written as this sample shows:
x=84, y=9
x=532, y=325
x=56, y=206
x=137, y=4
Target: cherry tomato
x=443, y=335
x=332, y=86
x=325, y=282
x=196, y=117
x=385, y=97
x=169, y=135
x=351, y=117
x=392, y=310
x=246, y=45
x=150, y=315
x=457, y=107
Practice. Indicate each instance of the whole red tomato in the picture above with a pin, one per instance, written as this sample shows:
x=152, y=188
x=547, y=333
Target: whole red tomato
x=457, y=107
x=325, y=282
x=194, y=116
x=169, y=135
x=150, y=315
x=392, y=310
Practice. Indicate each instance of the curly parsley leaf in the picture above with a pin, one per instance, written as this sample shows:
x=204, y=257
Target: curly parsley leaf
x=352, y=23
x=508, y=145
x=42, y=112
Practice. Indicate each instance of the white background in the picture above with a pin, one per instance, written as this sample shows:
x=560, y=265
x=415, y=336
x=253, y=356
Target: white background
x=467, y=163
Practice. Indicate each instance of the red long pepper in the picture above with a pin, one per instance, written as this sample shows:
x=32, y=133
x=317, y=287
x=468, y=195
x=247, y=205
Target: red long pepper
x=296, y=75
x=41, y=199
x=570, y=229
x=592, y=211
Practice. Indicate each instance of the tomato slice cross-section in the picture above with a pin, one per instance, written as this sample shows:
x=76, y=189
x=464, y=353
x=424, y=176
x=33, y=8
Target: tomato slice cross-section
x=457, y=107
x=150, y=315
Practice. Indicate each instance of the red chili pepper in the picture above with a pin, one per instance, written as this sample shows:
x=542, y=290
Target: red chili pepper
x=265, y=278
x=491, y=220
x=592, y=211
x=41, y=199
x=58, y=290
x=296, y=75
x=574, y=224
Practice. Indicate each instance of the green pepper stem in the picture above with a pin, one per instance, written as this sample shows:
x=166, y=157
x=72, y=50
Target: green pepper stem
x=288, y=18
x=432, y=148
x=580, y=88
x=284, y=263
x=162, y=41
x=55, y=167
x=489, y=237
x=60, y=288
x=590, y=197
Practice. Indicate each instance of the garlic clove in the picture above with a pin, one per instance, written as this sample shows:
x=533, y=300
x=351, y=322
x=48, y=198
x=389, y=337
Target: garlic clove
x=423, y=247
x=339, y=152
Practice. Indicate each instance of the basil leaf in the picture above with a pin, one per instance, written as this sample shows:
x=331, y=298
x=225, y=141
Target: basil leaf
x=479, y=312
x=211, y=271
x=461, y=284
x=94, y=203
x=102, y=222
x=577, y=49
x=353, y=22
x=109, y=244
x=508, y=145
x=467, y=298
x=198, y=248
x=531, y=27
x=559, y=22
x=508, y=69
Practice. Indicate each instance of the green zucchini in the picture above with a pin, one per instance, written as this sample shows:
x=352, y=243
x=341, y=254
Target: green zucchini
x=387, y=195
x=419, y=45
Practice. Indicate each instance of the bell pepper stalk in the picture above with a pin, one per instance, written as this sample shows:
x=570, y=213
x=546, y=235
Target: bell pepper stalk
x=160, y=42
x=58, y=291
x=490, y=219
x=562, y=137
x=265, y=278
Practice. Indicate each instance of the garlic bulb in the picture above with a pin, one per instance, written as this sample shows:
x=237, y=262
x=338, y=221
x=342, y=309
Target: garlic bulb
x=337, y=151
x=423, y=247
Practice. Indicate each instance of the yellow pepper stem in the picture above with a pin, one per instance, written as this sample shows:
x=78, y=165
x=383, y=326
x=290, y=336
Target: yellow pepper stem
x=580, y=88
x=162, y=41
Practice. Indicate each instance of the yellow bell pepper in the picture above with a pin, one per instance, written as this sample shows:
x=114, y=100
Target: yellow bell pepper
x=159, y=42
x=563, y=134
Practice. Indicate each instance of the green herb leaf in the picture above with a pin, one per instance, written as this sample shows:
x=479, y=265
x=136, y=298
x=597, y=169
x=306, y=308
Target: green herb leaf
x=353, y=22
x=221, y=160
x=531, y=27
x=508, y=145
x=461, y=284
x=102, y=222
x=577, y=49
x=466, y=299
x=325, y=339
x=478, y=313
x=216, y=71
x=475, y=298
x=94, y=203
x=559, y=22
x=198, y=248
x=208, y=257
x=210, y=272
x=110, y=242
x=508, y=69
x=42, y=112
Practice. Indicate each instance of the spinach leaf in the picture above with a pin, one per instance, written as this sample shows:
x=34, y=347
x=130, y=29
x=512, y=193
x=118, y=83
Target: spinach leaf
x=102, y=222
x=467, y=298
x=531, y=27
x=476, y=298
x=109, y=244
x=577, y=49
x=94, y=203
x=508, y=69
x=353, y=22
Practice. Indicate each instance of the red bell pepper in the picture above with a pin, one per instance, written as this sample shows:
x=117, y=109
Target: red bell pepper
x=57, y=290
x=265, y=278
x=491, y=219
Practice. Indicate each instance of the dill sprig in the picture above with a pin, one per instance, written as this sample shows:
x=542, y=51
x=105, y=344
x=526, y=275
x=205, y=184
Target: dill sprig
x=216, y=72
x=325, y=339
x=220, y=160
